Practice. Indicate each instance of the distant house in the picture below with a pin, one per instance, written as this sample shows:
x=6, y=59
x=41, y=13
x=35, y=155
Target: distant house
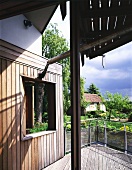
x=95, y=102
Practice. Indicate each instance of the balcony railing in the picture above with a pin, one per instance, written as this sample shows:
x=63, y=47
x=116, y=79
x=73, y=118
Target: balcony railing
x=113, y=134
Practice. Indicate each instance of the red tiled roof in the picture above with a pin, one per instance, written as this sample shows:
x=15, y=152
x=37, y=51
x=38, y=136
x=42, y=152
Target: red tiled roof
x=94, y=98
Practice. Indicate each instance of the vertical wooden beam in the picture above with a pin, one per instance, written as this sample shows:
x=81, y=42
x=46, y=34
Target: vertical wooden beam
x=51, y=106
x=75, y=87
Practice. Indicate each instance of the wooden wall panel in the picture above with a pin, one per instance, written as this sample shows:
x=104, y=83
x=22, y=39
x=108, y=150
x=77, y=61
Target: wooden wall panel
x=33, y=155
x=14, y=151
x=18, y=109
x=38, y=152
x=30, y=155
x=9, y=114
x=4, y=115
x=1, y=120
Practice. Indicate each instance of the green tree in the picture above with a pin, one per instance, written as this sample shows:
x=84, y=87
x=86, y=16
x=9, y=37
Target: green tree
x=53, y=44
x=116, y=103
x=93, y=90
x=84, y=103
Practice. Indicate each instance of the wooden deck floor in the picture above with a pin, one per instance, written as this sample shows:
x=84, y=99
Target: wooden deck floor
x=96, y=157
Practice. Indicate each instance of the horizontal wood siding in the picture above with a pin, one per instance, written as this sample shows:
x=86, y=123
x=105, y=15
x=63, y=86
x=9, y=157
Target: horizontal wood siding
x=38, y=152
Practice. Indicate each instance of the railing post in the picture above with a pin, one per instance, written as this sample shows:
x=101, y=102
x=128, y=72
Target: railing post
x=105, y=134
x=65, y=140
x=125, y=138
x=97, y=131
x=89, y=135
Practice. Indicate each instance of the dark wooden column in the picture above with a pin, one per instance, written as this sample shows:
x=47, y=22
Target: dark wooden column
x=75, y=87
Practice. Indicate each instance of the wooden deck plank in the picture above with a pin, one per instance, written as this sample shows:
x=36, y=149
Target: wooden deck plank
x=96, y=157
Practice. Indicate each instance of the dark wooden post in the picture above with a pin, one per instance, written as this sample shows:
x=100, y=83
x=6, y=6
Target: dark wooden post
x=105, y=134
x=75, y=87
x=125, y=138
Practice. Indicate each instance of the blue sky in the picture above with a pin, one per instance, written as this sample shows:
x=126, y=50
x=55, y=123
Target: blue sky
x=117, y=74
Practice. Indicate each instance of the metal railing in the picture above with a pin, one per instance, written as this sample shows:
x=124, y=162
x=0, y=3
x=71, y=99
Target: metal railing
x=99, y=131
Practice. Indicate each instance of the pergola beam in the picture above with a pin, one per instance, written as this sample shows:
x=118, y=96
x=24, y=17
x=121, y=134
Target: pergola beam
x=85, y=47
x=113, y=11
x=90, y=45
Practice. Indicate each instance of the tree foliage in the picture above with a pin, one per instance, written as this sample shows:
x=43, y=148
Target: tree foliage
x=116, y=102
x=84, y=103
x=53, y=44
x=92, y=89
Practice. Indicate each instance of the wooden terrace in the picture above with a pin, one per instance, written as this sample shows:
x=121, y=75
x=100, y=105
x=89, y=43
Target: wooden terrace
x=96, y=157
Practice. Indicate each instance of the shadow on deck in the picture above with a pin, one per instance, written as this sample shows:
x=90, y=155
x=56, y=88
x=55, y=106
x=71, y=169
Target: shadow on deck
x=96, y=157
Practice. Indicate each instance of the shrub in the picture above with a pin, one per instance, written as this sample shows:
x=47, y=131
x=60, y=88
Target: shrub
x=123, y=128
x=68, y=127
x=103, y=115
x=123, y=116
x=38, y=127
x=45, y=117
x=130, y=116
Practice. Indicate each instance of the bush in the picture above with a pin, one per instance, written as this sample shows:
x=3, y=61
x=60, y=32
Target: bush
x=38, y=127
x=123, y=116
x=130, y=116
x=68, y=127
x=123, y=128
x=45, y=117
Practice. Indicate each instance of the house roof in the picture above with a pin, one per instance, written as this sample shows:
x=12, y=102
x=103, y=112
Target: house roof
x=93, y=98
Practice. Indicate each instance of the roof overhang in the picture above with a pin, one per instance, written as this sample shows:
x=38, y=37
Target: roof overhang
x=40, y=18
x=98, y=20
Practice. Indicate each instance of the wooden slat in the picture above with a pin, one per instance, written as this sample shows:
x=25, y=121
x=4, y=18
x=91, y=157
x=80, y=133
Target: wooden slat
x=1, y=121
x=4, y=114
x=33, y=154
x=26, y=155
x=39, y=153
x=45, y=154
x=9, y=114
x=30, y=155
x=18, y=123
x=48, y=149
x=42, y=152
x=61, y=120
x=36, y=153
x=22, y=156
x=57, y=119
x=14, y=154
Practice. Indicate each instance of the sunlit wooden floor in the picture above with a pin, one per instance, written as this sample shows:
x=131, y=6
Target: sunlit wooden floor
x=96, y=157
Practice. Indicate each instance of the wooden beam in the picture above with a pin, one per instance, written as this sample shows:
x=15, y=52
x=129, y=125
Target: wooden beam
x=85, y=47
x=90, y=45
x=106, y=12
x=75, y=87
x=12, y=9
x=111, y=46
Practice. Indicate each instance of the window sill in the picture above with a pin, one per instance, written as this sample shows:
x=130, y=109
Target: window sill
x=38, y=134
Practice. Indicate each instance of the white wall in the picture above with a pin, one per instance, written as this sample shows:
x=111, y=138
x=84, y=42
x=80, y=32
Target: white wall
x=93, y=107
x=13, y=30
x=102, y=107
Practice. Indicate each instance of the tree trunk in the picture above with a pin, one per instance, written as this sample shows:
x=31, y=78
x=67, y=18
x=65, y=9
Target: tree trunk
x=39, y=101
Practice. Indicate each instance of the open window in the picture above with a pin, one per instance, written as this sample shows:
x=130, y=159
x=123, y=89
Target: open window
x=39, y=105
